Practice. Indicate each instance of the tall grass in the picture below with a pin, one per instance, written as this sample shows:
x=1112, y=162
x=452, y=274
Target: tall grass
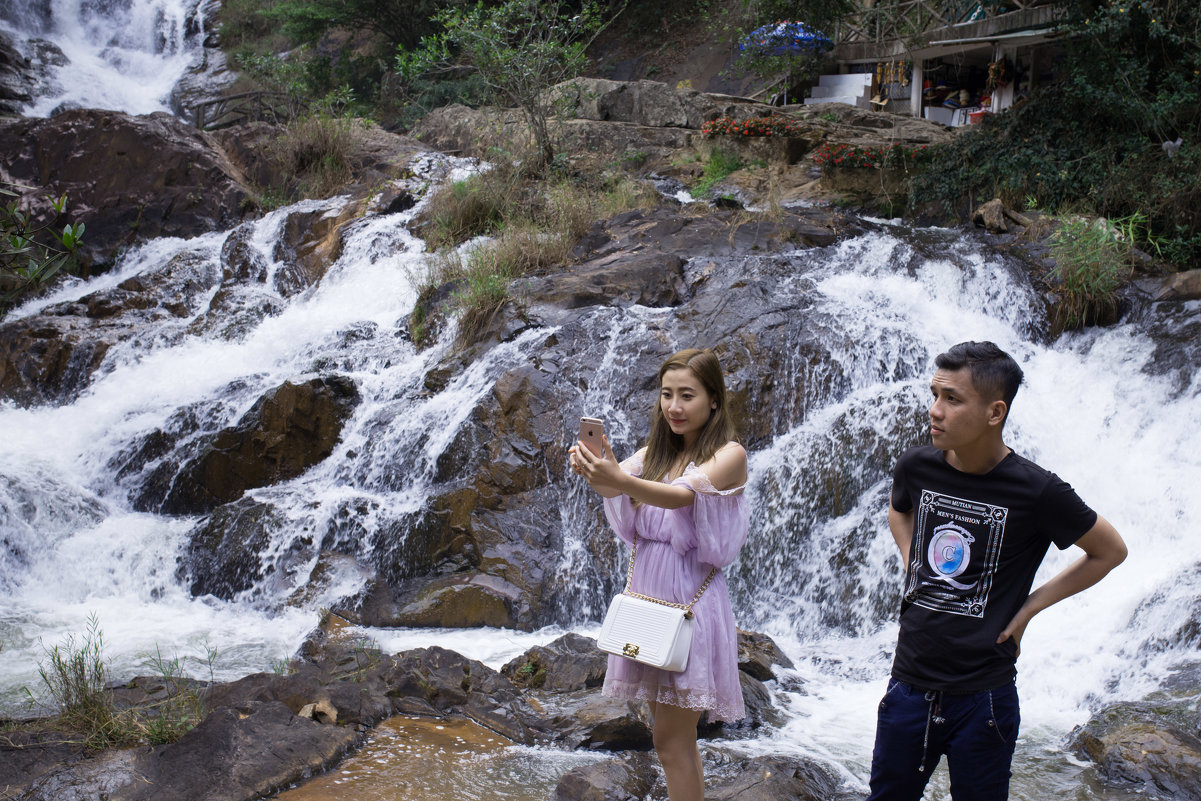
x=315, y=150
x=1092, y=261
x=77, y=679
x=532, y=221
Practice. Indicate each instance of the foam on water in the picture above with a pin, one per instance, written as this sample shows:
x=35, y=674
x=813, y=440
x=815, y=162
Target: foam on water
x=124, y=55
x=820, y=571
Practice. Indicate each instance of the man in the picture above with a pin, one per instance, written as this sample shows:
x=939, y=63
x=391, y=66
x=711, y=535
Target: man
x=973, y=521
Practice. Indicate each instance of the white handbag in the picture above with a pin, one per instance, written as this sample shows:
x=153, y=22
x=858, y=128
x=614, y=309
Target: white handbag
x=649, y=630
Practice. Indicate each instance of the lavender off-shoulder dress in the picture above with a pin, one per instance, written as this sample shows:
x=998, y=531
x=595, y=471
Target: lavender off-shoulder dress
x=676, y=550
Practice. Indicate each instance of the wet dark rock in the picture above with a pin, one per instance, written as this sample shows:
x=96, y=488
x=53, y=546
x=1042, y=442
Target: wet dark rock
x=50, y=359
x=28, y=755
x=209, y=75
x=437, y=681
x=129, y=178
x=1175, y=330
x=571, y=662
x=775, y=777
x=758, y=654
x=1154, y=745
x=256, y=750
x=636, y=776
x=288, y=430
x=588, y=720
x=223, y=553
x=631, y=776
x=309, y=242
x=621, y=279
x=51, y=356
x=233, y=754
x=18, y=83
x=461, y=600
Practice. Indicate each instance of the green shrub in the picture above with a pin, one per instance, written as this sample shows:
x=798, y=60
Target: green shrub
x=32, y=253
x=1092, y=261
x=719, y=165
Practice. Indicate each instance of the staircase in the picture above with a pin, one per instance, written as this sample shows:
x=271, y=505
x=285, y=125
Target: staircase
x=854, y=89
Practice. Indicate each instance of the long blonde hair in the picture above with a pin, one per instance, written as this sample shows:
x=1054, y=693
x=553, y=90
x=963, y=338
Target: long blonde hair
x=664, y=448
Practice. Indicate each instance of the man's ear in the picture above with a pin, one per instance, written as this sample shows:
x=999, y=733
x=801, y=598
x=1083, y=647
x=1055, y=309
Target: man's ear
x=998, y=410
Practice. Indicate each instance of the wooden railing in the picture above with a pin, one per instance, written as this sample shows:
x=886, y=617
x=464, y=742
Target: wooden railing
x=889, y=20
x=245, y=107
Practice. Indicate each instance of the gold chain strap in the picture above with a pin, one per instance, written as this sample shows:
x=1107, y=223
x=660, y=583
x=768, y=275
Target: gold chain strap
x=686, y=607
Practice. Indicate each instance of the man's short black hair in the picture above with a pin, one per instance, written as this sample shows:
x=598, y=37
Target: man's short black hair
x=994, y=372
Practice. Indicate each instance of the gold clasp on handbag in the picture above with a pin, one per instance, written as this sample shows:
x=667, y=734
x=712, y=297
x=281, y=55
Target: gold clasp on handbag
x=630, y=650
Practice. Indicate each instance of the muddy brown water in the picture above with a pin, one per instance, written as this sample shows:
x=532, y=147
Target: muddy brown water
x=428, y=759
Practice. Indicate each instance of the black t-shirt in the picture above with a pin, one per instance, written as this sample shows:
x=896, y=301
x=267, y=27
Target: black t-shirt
x=977, y=542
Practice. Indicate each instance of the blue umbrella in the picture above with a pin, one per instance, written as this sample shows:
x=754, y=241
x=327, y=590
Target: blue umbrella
x=782, y=38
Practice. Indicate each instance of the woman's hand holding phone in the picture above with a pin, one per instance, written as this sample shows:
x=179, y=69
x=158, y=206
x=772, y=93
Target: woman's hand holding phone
x=592, y=458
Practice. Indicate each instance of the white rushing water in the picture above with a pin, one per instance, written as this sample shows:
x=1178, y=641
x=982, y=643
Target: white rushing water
x=819, y=572
x=123, y=55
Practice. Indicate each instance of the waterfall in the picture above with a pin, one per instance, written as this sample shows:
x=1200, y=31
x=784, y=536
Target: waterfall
x=820, y=572
x=124, y=55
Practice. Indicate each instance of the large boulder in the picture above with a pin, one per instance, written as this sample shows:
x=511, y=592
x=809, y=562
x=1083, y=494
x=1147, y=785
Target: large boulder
x=572, y=662
x=435, y=681
x=288, y=430
x=128, y=178
x=17, y=83
x=631, y=775
x=773, y=777
x=53, y=355
x=224, y=552
x=1155, y=745
x=649, y=103
x=234, y=754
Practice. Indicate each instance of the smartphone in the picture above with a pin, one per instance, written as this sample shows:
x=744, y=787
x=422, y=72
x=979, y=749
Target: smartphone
x=592, y=431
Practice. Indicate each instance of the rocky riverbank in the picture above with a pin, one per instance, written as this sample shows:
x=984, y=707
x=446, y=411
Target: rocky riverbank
x=478, y=552
x=267, y=731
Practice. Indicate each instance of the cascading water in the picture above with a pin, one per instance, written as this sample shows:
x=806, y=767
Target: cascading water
x=819, y=573
x=124, y=55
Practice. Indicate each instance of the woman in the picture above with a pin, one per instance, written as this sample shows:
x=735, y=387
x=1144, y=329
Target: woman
x=682, y=494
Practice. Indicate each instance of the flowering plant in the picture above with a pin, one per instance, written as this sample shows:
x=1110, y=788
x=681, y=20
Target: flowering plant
x=755, y=126
x=894, y=155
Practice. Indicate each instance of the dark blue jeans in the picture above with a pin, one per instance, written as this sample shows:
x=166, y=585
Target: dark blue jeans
x=915, y=727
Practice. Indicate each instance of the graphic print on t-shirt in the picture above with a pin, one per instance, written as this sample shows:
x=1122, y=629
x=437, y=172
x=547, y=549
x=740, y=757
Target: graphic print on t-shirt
x=957, y=544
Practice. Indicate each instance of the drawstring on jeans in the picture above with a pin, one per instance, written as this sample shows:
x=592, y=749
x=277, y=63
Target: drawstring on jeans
x=935, y=699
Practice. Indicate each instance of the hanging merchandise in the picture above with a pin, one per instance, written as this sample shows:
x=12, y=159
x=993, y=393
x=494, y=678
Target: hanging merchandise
x=1000, y=73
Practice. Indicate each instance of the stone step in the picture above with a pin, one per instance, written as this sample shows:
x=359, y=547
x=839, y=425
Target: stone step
x=861, y=102
x=851, y=84
x=840, y=91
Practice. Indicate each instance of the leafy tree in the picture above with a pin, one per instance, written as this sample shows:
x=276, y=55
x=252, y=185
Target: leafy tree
x=32, y=253
x=401, y=22
x=519, y=48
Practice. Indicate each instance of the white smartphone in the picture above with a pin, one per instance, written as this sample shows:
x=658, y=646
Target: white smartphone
x=592, y=432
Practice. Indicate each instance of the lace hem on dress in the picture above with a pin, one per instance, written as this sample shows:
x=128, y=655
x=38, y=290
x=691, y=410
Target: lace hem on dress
x=701, y=701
